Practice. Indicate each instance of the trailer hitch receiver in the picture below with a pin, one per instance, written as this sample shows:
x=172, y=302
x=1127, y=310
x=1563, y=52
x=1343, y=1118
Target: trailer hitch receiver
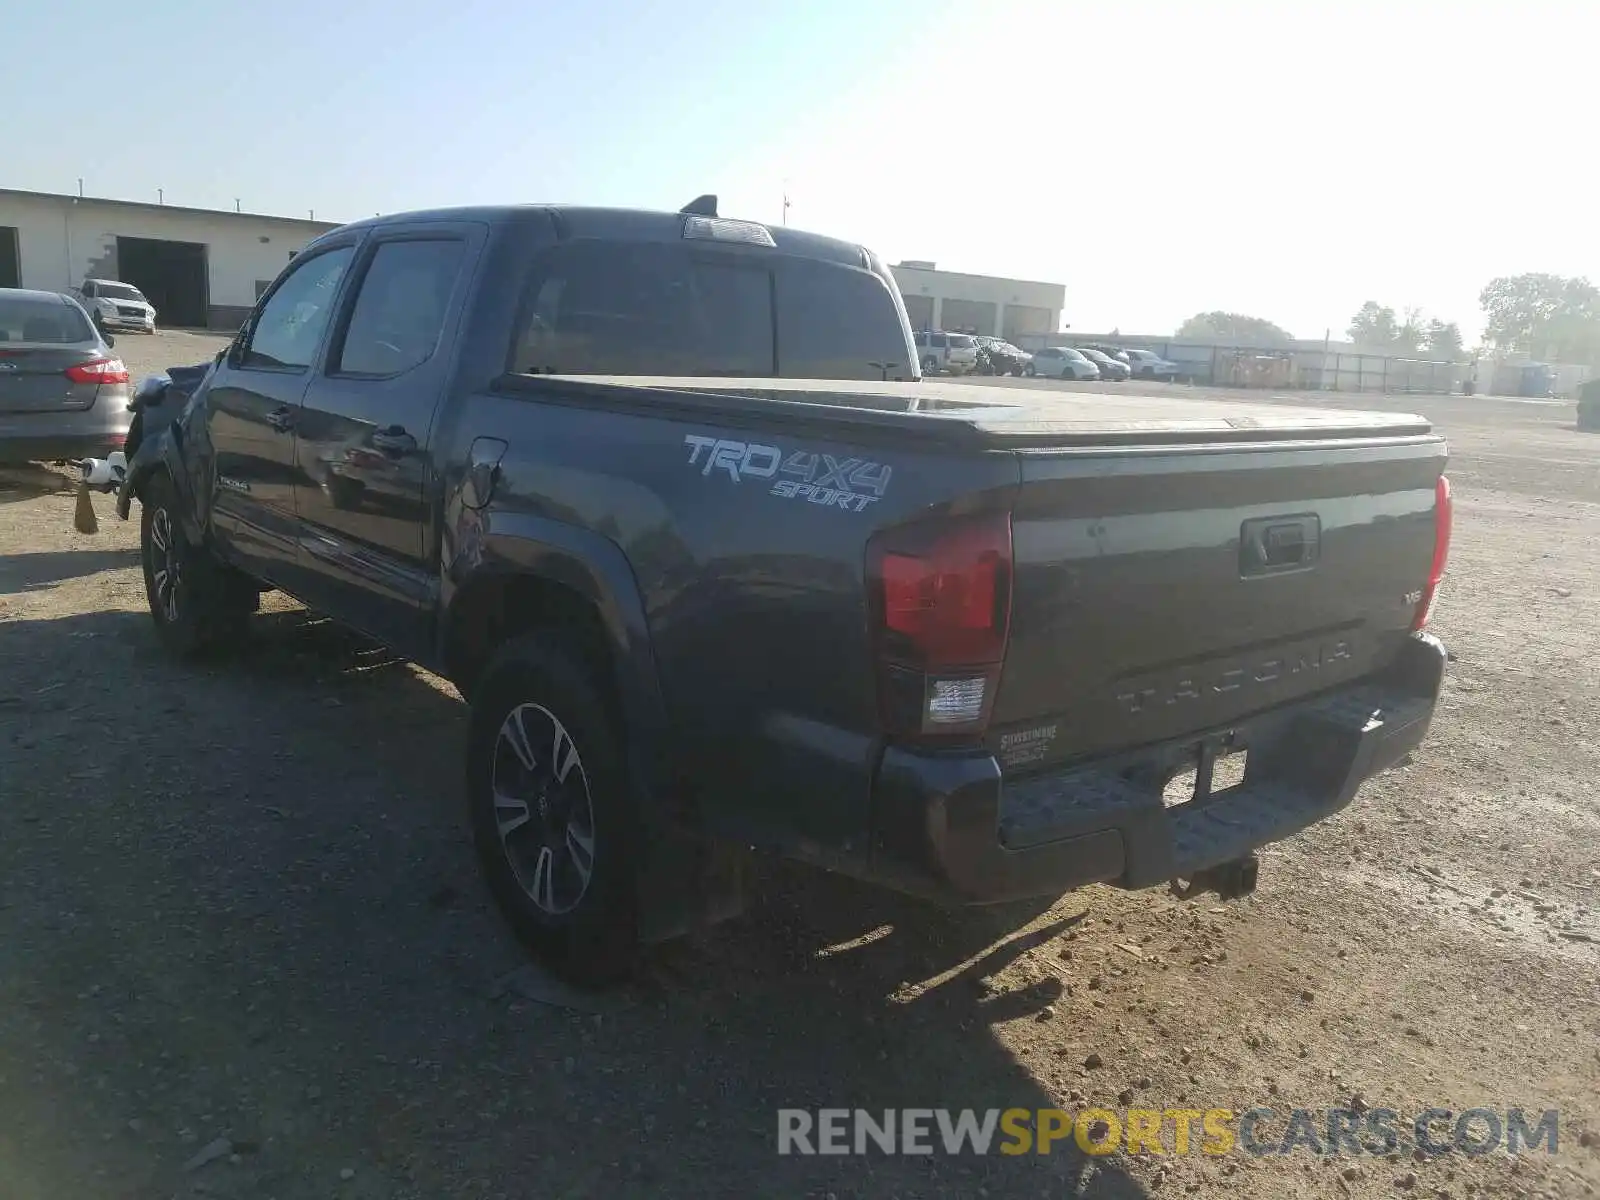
x=1230, y=880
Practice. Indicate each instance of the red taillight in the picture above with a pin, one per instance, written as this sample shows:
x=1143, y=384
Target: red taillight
x=1443, y=515
x=939, y=597
x=101, y=370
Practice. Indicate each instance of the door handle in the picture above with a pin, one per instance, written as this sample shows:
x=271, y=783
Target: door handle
x=394, y=440
x=1272, y=545
x=281, y=419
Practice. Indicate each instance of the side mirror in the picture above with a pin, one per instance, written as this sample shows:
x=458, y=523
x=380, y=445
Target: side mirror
x=110, y=339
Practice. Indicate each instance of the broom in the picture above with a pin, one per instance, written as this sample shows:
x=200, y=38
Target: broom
x=83, y=518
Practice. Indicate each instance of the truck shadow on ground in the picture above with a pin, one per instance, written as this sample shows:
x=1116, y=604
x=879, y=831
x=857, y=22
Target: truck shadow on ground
x=46, y=568
x=237, y=899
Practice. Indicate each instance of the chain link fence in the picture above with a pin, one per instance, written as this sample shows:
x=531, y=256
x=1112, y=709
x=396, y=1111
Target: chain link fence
x=1309, y=366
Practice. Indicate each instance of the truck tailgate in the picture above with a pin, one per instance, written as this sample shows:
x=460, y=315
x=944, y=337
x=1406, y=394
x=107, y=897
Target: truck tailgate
x=1166, y=590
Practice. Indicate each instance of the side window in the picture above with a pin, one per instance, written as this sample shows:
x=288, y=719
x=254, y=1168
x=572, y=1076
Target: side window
x=288, y=327
x=941, y=342
x=88, y=290
x=835, y=321
x=400, y=310
x=644, y=308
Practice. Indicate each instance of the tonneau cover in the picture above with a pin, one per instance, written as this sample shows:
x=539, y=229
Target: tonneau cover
x=1004, y=416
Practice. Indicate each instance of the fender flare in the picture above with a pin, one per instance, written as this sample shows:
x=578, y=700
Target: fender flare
x=161, y=451
x=590, y=565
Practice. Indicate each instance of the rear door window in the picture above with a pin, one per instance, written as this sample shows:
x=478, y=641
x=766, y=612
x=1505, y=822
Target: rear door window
x=400, y=310
x=645, y=308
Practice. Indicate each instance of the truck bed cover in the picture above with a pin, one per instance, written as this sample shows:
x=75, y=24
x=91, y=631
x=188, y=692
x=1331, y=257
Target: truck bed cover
x=1000, y=417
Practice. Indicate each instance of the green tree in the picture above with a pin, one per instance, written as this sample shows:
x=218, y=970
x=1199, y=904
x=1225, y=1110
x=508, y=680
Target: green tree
x=1413, y=329
x=1542, y=314
x=1444, y=340
x=1227, y=326
x=1374, y=325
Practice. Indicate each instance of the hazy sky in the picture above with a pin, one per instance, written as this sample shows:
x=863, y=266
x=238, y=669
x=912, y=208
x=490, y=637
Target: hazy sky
x=1287, y=159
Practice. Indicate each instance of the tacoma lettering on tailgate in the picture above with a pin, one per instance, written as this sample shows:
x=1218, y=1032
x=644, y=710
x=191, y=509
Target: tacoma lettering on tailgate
x=1196, y=681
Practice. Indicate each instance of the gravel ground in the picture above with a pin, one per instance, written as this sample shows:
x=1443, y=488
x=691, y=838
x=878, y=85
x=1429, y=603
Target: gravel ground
x=240, y=923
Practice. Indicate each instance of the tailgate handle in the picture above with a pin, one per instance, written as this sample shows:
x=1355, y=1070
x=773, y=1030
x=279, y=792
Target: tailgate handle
x=1274, y=545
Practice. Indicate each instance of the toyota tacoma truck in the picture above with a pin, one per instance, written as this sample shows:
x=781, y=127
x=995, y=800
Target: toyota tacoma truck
x=664, y=496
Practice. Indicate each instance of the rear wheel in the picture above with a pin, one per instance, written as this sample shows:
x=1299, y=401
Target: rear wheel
x=197, y=602
x=552, y=815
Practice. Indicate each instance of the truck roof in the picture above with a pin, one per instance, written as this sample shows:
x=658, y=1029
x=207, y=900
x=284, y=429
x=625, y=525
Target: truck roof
x=630, y=224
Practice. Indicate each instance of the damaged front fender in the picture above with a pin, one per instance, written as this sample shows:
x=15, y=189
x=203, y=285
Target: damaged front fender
x=160, y=409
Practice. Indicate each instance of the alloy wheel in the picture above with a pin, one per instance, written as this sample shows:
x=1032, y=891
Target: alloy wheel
x=543, y=810
x=166, y=568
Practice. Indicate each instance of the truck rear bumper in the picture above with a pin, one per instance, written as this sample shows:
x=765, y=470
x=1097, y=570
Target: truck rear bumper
x=950, y=828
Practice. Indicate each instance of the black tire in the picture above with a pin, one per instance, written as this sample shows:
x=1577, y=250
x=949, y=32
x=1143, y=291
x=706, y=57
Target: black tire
x=197, y=603
x=930, y=365
x=1030, y=370
x=529, y=840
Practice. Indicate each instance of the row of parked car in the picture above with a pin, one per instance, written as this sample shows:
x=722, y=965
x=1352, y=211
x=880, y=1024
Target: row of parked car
x=944, y=353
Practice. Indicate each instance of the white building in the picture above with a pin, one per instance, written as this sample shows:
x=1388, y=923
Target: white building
x=1008, y=308
x=199, y=267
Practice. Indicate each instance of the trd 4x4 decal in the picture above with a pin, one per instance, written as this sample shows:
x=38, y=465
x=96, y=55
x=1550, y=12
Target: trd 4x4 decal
x=847, y=483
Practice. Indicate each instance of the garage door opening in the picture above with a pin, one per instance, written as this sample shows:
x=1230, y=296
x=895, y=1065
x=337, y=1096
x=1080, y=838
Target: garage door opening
x=172, y=276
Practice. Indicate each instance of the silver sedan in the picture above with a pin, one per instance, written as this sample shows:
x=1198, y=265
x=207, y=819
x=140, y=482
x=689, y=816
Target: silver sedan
x=63, y=392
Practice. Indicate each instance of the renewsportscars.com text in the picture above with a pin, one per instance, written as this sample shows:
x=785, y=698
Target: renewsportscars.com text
x=1177, y=1131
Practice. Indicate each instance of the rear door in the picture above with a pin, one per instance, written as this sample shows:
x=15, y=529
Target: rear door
x=42, y=337
x=362, y=438
x=253, y=402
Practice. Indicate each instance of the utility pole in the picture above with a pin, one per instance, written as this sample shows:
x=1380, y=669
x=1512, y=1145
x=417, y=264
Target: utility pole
x=161, y=196
x=786, y=202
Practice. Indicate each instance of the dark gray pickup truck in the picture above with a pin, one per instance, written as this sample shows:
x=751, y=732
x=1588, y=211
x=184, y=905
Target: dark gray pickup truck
x=665, y=498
